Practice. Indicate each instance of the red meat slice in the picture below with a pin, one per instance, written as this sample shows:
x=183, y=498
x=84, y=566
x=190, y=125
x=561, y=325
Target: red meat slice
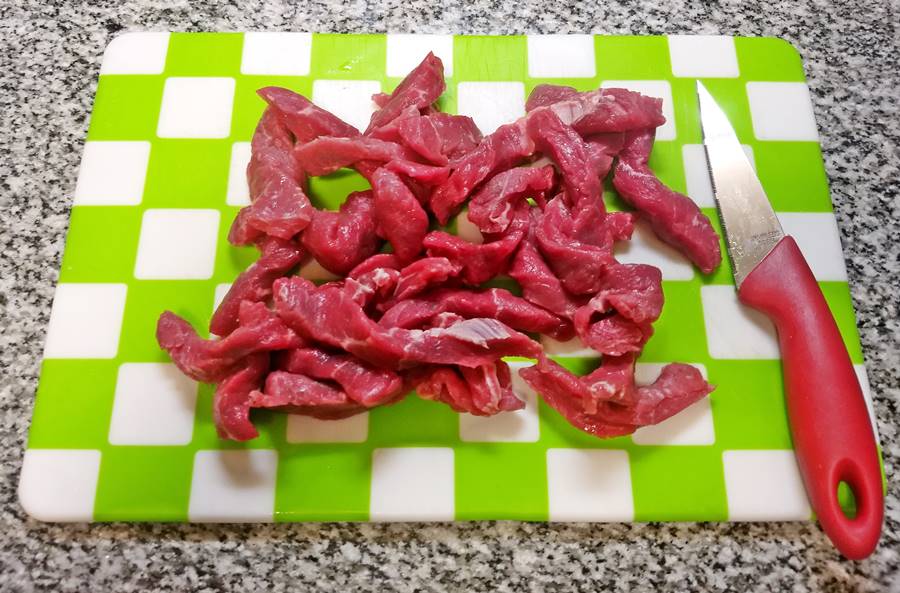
x=372, y=287
x=493, y=206
x=571, y=154
x=255, y=283
x=504, y=148
x=482, y=391
x=326, y=314
x=494, y=303
x=298, y=394
x=423, y=274
x=231, y=402
x=479, y=262
x=675, y=218
x=364, y=384
x=325, y=155
x=379, y=260
x=579, y=250
x=547, y=94
x=305, y=120
x=425, y=174
x=341, y=240
x=678, y=386
x=398, y=215
x=609, y=110
x=439, y=137
x=618, y=319
x=210, y=361
x=420, y=89
x=540, y=285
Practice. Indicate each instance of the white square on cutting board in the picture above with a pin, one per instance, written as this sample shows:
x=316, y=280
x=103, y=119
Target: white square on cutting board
x=508, y=427
x=782, y=111
x=734, y=330
x=573, y=348
x=306, y=429
x=196, y=107
x=819, y=239
x=646, y=248
x=691, y=426
x=491, y=104
x=238, y=192
x=660, y=89
x=703, y=56
x=561, y=56
x=112, y=173
x=589, y=485
x=142, y=52
x=276, y=53
x=177, y=244
x=154, y=405
x=406, y=51
x=696, y=173
x=764, y=485
x=233, y=486
x=350, y=100
x=412, y=484
x=59, y=484
x=85, y=321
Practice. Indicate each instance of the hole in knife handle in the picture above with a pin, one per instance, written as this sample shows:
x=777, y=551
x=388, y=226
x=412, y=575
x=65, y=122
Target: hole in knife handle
x=846, y=499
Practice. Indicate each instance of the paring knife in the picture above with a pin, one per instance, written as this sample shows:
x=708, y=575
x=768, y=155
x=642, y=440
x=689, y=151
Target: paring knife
x=830, y=426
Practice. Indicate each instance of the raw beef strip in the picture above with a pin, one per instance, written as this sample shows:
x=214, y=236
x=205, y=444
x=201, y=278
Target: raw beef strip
x=298, y=394
x=494, y=303
x=539, y=284
x=325, y=155
x=305, y=120
x=609, y=110
x=241, y=231
x=500, y=150
x=674, y=218
x=379, y=260
x=364, y=384
x=439, y=137
x=279, y=206
x=547, y=94
x=398, y=215
x=578, y=264
x=210, y=361
x=381, y=99
x=420, y=88
x=255, y=283
x=376, y=286
x=570, y=153
x=231, y=402
x=602, y=149
x=326, y=314
x=425, y=174
x=568, y=394
x=482, y=391
x=678, y=386
x=492, y=207
x=618, y=319
x=423, y=274
x=479, y=262
x=341, y=240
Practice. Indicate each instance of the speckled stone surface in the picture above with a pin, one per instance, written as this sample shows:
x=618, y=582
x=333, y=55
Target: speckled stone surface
x=49, y=60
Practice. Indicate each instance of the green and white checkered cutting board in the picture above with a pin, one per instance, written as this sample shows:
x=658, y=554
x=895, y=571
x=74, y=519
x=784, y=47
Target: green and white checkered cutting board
x=118, y=434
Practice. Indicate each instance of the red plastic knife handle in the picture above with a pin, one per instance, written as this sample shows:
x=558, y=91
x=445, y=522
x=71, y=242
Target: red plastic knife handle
x=830, y=425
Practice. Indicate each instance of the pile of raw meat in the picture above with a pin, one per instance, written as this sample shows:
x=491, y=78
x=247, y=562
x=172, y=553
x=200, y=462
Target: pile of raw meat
x=410, y=312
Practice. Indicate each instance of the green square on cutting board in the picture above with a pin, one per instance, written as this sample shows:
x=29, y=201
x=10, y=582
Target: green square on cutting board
x=357, y=57
x=73, y=404
x=133, y=480
x=204, y=54
x=86, y=260
x=321, y=481
x=126, y=107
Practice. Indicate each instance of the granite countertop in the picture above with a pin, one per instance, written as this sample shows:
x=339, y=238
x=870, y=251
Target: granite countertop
x=50, y=61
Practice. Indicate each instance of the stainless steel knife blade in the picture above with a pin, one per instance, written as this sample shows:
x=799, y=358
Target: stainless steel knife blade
x=751, y=228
